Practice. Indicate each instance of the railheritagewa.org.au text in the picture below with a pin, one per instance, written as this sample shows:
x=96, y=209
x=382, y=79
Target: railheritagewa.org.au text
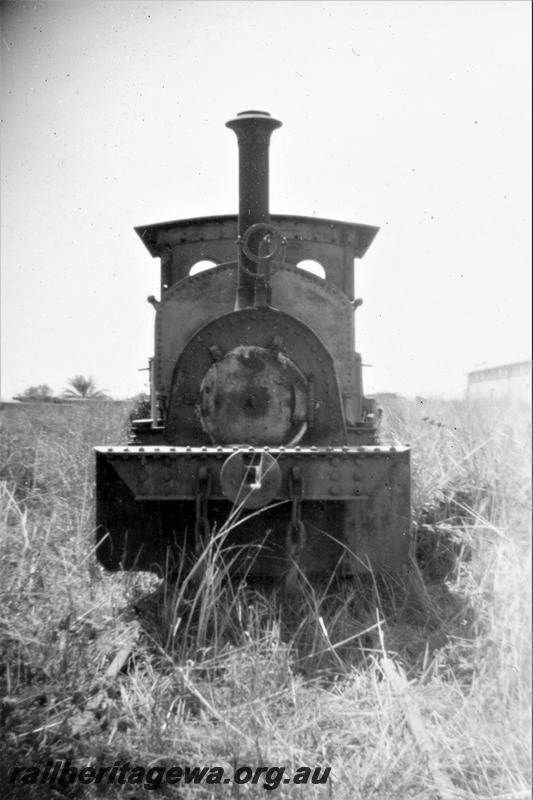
x=126, y=774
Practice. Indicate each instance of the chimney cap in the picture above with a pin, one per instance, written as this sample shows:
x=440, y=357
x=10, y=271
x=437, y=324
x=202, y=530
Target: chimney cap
x=253, y=113
x=253, y=116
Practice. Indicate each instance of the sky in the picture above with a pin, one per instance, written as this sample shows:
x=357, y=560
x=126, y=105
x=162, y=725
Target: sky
x=411, y=116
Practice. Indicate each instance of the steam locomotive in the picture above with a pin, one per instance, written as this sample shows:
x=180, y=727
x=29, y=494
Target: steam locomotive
x=257, y=410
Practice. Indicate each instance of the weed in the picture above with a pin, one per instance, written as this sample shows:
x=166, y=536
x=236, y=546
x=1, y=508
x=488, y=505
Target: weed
x=409, y=685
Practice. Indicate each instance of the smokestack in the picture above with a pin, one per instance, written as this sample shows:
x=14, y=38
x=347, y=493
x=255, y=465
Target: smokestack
x=253, y=130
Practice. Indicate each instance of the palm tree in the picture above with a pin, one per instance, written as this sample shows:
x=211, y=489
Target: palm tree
x=84, y=388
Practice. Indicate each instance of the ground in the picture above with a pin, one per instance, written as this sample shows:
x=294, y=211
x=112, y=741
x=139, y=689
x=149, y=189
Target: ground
x=412, y=685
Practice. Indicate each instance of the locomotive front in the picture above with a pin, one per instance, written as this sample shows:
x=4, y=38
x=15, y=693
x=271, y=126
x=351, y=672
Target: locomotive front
x=257, y=407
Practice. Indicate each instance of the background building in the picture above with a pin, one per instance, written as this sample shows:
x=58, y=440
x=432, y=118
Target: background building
x=506, y=380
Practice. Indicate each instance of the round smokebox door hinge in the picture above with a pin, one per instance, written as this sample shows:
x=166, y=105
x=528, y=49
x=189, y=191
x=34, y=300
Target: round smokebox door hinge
x=250, y=478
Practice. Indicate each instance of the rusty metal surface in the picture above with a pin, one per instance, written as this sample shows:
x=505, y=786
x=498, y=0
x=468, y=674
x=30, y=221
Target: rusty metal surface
x=252, y=394
x=334, y=244
x=358, y=496
x=336, y=257
x=192, y=303
x=161, y=236
x=258, y=327
x=253, y=130
x=252, y=480
x=329, y=473
x=160, y=536
x=262, y=406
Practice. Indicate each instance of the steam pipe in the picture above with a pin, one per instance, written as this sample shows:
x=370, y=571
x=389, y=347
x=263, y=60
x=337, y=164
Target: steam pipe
x=253, y=130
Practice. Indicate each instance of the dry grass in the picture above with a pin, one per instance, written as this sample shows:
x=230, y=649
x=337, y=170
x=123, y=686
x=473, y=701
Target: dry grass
x=408, y=686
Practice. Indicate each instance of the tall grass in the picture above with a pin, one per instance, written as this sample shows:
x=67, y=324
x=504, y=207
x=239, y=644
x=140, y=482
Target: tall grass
x=413, y=685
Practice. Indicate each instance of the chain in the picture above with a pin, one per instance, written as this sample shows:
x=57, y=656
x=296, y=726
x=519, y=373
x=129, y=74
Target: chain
x=201, y=522
x=295, y=540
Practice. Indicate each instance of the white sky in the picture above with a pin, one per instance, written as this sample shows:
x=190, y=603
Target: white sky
x=414, y=116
